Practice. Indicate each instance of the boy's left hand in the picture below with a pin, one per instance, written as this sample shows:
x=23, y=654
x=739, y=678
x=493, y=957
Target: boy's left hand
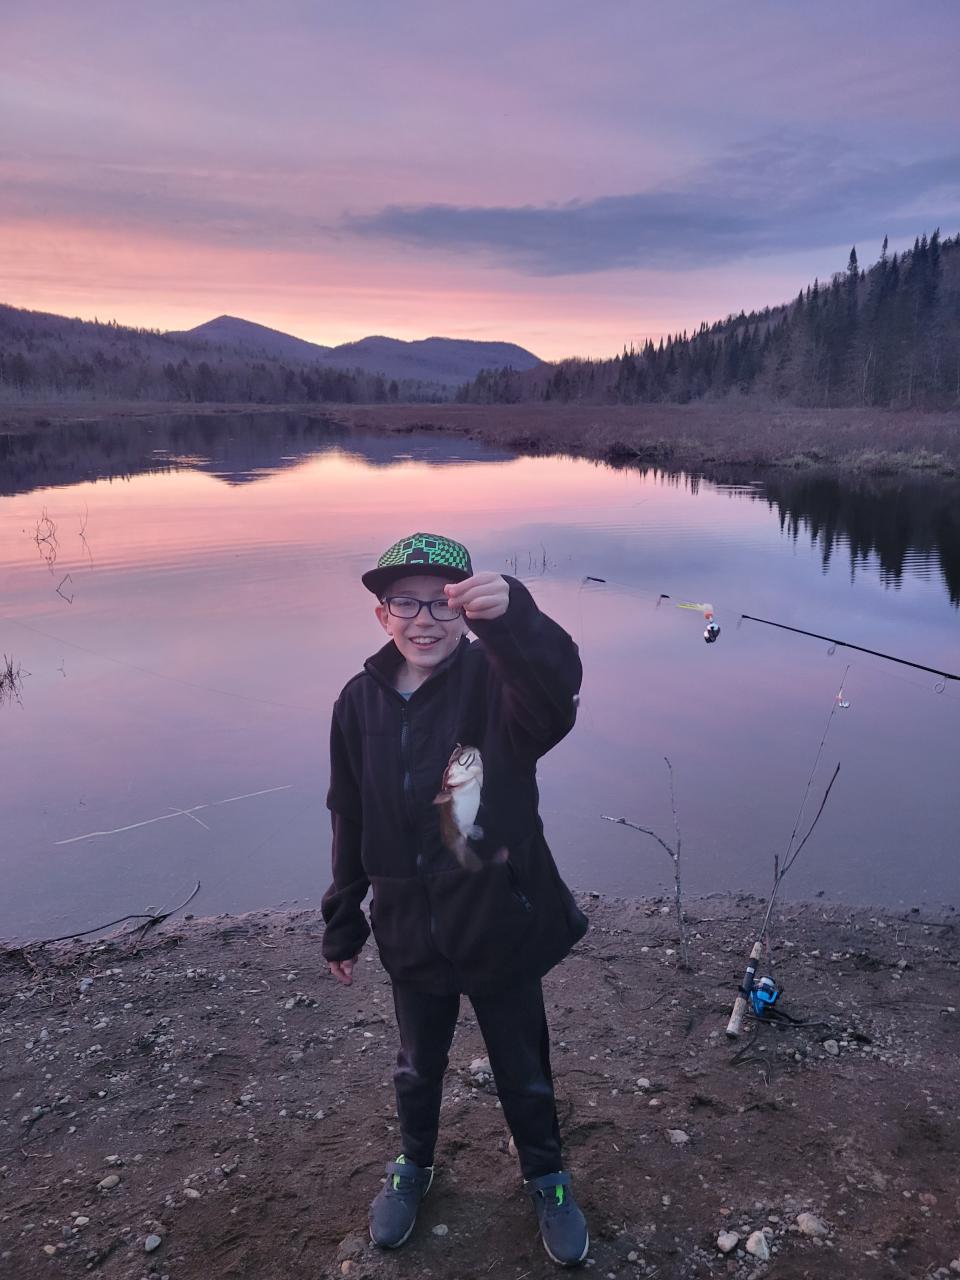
x=484, y=596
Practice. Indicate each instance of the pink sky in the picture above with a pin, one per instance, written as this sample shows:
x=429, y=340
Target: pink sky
x=532, y=172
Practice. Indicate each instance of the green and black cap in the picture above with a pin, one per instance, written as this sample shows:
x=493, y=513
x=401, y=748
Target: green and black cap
x=420, y=553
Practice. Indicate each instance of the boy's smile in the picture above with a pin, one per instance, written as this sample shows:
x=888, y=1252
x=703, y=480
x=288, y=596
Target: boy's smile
x=424, y=643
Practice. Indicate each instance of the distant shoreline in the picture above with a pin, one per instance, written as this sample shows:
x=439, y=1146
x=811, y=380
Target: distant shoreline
x=677, y=437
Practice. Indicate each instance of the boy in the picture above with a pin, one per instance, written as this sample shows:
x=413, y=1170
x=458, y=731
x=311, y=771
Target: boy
x=464, y=901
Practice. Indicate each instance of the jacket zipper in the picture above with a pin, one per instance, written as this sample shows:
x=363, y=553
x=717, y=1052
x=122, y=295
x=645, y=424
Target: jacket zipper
x=405, y=761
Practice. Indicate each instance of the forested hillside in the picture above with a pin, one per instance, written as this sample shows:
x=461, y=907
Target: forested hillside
x=51, y=357
x=888, y=336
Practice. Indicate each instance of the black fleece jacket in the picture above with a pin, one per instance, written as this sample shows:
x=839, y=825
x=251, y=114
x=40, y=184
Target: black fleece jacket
x=439, y=927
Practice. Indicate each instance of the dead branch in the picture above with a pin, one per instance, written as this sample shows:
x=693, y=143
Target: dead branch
x=673, y=853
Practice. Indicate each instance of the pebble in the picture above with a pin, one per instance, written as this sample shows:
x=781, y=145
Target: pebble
x=109, y=1182
x=112, y=1160
x=440, y=1229
x=192, y=1193
x=633, y=1256
x=831, y=1047
x=757, y=1246
x=81, y=1221
x=643, y=1083
x=480, y=1067
x=810, y=1225
x=678, y=1137
x=49, y=1250
x=84, y=985
x=727, y=1241
x=152, y=1242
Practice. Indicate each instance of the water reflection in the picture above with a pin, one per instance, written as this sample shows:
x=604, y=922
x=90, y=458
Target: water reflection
x=237, y=449
x=906, y=524
x=214, y=611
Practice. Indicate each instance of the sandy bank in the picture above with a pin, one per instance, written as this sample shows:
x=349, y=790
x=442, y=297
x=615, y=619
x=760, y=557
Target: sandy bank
x=244, y=1103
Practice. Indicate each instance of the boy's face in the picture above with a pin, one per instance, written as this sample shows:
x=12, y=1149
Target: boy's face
x=423, y=641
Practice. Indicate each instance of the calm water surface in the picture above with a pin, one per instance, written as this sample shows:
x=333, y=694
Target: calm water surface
x=183, y=599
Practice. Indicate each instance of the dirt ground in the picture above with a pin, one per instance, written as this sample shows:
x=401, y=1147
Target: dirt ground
x=242, y=1104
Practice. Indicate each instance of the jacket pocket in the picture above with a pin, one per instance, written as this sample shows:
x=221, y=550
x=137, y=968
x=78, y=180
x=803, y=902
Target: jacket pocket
x=481, y=919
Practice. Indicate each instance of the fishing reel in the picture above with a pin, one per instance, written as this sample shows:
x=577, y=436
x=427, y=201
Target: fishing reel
x=764, y=997
x=711, y=632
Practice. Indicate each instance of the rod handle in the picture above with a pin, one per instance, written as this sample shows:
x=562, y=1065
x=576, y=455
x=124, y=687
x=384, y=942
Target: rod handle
x=738, y=1012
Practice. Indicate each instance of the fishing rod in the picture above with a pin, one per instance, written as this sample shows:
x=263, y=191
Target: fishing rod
x=745, y=992
x=711, y=631
x=845, y=644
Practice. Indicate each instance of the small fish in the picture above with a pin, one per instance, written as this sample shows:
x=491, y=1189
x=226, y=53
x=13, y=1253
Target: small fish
x=459, y=800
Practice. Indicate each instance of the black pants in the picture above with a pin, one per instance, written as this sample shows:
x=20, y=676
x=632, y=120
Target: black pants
x=513, y=1023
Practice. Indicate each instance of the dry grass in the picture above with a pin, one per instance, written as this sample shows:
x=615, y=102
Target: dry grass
x=731, y=433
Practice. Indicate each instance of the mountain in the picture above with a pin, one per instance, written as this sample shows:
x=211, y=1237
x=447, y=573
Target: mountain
x=228, y=360
x=449, y=361
x=244, y=335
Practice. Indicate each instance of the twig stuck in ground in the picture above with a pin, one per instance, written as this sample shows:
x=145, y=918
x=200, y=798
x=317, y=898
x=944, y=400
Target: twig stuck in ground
x=673, y=853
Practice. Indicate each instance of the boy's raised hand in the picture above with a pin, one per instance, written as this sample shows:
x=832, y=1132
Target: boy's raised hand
x=484, y=596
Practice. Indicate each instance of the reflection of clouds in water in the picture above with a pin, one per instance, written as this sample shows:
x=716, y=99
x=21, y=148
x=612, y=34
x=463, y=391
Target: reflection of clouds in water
x=220, y=621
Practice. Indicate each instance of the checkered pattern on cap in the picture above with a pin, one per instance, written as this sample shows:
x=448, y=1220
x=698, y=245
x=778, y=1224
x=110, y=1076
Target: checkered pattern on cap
x=420, y=553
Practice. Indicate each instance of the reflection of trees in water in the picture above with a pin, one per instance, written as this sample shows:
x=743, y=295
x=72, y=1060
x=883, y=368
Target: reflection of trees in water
x=237, y=449
x=896, y=520
x=908, y=524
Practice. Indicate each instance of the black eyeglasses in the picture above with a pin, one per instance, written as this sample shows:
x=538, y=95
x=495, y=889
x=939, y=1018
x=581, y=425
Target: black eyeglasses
x=409, y=607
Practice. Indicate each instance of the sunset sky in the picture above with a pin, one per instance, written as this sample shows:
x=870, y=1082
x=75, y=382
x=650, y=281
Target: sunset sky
x=570, y=177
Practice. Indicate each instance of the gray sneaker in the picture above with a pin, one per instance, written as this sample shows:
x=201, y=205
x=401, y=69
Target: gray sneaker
x=393, y=1213
x=563, y=1227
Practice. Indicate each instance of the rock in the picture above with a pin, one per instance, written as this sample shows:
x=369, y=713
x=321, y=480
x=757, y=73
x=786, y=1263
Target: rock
x=81, y=1221
x=678, y=1137
x=643, y=1083
x=480, y=1069
x=757, y=1246
x=351, y=1247
x=810, y=1225
x=633, y=1256
x=112, y=1160
x=727, y=1241
x=192, y=1193
x=152, y=1242
x=831, y=1047
x=49, y=1250
x=440, y=1229
x=109, y=1182
x=512, y=1147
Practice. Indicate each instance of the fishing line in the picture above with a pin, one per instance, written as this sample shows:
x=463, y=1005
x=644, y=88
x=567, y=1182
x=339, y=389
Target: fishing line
x=789, y=858
x=712, y=632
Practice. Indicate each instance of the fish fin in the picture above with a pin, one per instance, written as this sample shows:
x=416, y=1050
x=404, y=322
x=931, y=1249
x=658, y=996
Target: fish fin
x=467, y=858
x=474, y=832
x=443, y=797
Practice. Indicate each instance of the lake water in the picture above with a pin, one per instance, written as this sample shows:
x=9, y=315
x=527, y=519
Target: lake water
x=182, y=599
